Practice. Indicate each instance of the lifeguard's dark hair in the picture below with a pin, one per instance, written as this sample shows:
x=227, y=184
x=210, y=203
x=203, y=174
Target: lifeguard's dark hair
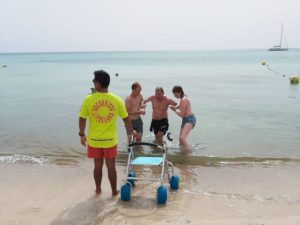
x=178, y=89
x=102, y=77
x=135, y=85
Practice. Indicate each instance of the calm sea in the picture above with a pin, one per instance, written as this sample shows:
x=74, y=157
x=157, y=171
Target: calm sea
x=244, y=110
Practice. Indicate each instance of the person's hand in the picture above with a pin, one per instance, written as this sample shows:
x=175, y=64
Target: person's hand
x=83, y=140
x=142, y=112
x=133, y=134
x=173, y=108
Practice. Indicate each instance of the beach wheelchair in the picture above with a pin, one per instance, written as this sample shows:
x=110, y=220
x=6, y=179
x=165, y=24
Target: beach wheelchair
x=158, y=159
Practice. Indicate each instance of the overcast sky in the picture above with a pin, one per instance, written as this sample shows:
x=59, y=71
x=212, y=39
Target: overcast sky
x=121, y=25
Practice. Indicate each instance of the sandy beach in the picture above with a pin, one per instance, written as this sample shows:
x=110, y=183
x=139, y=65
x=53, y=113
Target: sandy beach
x=229, y=194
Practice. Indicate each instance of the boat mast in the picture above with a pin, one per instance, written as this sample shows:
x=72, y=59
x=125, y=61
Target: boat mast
x=281, y=34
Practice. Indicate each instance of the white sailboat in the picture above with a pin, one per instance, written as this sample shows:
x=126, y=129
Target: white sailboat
x=278, y=47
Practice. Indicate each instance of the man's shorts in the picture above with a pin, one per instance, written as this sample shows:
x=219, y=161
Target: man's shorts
x=159, y=125
x=107, y=153
x=137, y=125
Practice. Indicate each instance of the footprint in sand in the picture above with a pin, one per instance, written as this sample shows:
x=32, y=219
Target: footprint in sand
x=31, y=210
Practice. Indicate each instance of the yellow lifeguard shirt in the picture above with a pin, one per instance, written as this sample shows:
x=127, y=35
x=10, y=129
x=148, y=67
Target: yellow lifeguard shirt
x=102, y=110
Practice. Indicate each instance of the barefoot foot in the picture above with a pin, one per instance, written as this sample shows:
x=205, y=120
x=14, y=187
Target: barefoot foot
x=115, y=193
x=98, y=192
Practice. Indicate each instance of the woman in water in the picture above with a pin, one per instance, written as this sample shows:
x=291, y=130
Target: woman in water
x=184, y=110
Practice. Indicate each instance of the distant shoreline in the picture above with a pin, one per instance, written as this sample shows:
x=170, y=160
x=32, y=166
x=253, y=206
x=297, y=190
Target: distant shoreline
x=139, y=51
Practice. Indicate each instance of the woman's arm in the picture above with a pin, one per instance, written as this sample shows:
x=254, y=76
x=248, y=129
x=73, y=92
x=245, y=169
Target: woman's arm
x=181, y=108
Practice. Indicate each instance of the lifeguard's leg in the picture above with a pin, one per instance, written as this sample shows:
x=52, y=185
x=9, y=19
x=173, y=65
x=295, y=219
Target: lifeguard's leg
x=112, y=175
x=98, y=162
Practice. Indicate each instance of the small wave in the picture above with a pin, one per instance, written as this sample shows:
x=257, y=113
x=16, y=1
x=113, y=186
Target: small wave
x=198, y=146
x=19, y=158
x=281, y=198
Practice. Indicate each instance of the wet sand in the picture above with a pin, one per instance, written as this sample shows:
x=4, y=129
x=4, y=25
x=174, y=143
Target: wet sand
x=37, y=194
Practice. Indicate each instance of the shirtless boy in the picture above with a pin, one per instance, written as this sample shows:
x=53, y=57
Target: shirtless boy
x=160, y=105
x=135, y=109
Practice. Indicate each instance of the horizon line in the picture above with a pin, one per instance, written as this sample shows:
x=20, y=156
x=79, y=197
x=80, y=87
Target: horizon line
x=145, y=50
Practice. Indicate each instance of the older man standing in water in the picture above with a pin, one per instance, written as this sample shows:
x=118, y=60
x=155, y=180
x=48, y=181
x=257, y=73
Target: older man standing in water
x=135, y=109
x=160, y=105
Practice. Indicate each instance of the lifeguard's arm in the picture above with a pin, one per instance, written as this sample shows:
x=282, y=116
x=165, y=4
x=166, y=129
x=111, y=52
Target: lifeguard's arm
x=82, y=125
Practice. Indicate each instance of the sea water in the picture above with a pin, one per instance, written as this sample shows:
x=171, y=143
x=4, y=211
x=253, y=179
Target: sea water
x=244, y=110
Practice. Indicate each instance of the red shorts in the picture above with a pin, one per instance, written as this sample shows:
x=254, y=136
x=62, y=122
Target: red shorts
x=109, y=153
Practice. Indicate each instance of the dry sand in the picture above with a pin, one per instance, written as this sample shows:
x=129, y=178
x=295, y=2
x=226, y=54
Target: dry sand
x=38, y=194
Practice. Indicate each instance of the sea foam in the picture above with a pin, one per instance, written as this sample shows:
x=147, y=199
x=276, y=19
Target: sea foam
x=19, y=158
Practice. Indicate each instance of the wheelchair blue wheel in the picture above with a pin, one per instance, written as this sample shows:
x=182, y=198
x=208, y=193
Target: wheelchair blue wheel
x=162, y=195
x=131, y=174
x=126, y=192
x=174, y=182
